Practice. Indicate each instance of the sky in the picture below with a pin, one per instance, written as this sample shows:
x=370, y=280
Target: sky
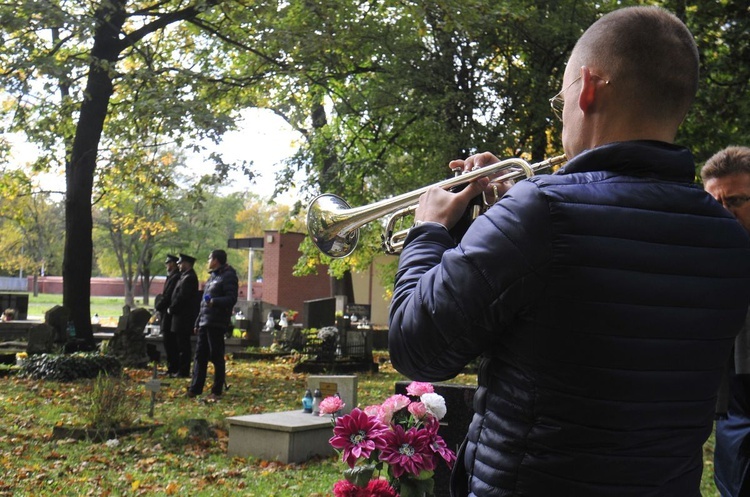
x=262, y=137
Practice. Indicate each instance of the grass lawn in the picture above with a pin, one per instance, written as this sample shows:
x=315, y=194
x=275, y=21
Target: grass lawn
x=169, y=461
x=109, y=309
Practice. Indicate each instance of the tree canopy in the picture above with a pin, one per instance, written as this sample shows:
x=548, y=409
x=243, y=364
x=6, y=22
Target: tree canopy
x=384, y=94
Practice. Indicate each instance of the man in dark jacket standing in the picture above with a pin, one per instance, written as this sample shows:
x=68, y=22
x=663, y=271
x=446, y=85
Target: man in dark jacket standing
x=604, y=299
x=219, y=298
x=165, y=319
x=183, y=309
x=726, y=176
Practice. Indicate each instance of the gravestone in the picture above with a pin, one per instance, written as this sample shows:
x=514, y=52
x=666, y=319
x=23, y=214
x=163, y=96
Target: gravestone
x=320, y=312
x=57, y=318
x=129, y=341
x=453, y=427
x=330, y=385
x=358, y=312
x=41, y=339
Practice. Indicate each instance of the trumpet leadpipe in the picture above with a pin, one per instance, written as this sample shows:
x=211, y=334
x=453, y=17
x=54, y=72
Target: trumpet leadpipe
x=333, y=225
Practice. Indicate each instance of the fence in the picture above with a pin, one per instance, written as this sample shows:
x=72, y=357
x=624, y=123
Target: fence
x=10, y=284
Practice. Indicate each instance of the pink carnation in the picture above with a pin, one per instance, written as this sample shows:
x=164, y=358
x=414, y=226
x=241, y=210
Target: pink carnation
x=375, y=411
x=418, y=410
x=417, y=388
x=330, y=405
x=393, y=404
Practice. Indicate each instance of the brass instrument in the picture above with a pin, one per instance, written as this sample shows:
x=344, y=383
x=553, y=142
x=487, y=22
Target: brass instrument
x=334, y=226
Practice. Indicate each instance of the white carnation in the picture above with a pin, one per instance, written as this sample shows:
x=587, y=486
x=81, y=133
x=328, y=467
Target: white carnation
x=435, y=404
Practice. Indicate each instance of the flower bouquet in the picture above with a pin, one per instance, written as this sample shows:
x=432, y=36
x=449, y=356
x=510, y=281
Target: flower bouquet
x=328, y=333
x=391, y=449
x=328, y=336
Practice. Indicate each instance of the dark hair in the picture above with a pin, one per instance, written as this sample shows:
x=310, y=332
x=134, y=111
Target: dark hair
x=649, y=55
x=731, y=160
x=219, y=255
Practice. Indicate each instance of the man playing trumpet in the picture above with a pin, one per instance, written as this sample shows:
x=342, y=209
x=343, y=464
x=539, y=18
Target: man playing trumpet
x=603, y=300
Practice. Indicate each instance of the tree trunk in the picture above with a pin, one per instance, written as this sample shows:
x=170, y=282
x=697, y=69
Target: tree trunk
x=79, y=171
x=344, y=286
x=146, y=287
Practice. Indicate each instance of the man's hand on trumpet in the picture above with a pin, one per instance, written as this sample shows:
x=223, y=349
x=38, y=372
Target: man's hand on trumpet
x=447, y=208
x=495, y=189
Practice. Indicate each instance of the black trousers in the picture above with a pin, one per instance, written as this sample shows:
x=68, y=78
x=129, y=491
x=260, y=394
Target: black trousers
x=171, y=351
x=210, y=347
x=184, y=341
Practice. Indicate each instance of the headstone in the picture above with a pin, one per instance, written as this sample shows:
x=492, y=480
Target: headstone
x=453, y=427
x=41, y=339
x=57, y=318
x=320, y=312
x=129, y=341
x=344, y=385
x=358, y=312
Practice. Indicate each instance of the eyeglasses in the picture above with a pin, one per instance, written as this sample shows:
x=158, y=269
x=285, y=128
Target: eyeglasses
x=558, y=101
x=735, y=201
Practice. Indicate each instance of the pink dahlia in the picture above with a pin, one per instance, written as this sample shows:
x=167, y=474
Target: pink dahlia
x=408, y=451
x=437, y=444
x=417, y=388
x=358, y=434
x=374, y=488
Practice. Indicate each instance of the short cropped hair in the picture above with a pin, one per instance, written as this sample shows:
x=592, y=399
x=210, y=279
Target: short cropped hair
x=219, y=255
x=731, y=160
x=650, y=57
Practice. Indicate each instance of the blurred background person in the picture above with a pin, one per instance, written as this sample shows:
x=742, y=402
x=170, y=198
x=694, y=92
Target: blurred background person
x=726, y=176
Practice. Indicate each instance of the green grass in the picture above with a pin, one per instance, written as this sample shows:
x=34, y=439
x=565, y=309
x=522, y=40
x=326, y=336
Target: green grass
x=108, y=308
x=168, y=461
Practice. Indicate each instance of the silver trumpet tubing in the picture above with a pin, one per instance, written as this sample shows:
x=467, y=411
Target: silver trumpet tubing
x=333, y=225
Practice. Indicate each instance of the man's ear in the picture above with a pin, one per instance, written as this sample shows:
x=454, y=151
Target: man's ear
x=587, y=96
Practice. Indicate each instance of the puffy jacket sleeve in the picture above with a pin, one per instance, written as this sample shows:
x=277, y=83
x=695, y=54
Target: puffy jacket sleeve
x=451, y=304
x=229, y=290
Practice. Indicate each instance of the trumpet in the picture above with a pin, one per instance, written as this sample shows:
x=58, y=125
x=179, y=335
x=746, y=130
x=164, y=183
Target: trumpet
x=333, y=225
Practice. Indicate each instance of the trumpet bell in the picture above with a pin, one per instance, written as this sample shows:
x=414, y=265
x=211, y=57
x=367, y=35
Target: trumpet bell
x=324, y=217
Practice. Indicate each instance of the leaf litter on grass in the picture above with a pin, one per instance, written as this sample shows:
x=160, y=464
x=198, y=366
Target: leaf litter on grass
x=169, y=460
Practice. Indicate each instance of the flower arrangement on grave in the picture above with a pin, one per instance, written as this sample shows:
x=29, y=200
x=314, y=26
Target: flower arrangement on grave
x=391, y=449
x=327, y=333
x=291, y=315
x=328, y=336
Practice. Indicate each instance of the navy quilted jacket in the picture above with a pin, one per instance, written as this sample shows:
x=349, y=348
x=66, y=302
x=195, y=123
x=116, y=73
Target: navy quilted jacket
x=222, y=286
x=605, y=300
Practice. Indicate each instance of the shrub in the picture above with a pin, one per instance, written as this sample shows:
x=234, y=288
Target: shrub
x=108, y=405
x=70, y=367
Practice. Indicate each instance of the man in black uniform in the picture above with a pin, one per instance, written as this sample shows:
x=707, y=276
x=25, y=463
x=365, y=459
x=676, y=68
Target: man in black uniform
x=165, y=319
x=184, y=309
